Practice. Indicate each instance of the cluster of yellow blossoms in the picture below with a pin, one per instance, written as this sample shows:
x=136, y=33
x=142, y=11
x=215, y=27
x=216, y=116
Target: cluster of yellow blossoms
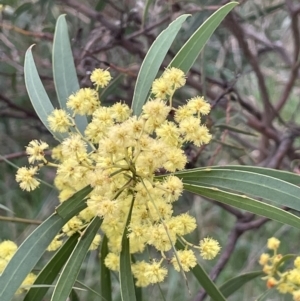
x=7, y=250
x=118, y=155
x=284, y=281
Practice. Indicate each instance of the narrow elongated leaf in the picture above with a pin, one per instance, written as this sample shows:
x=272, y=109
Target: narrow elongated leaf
x=87, y=288
x=28, y=255
x=110, y=89
x=126, y=278
x=74, y=296
x=187, y=55
x=152, y=62
x=37, y=94
x=234, y=284
x=204, y=280
x=66, y=207
x=33, y=248
x=51, y=270
x=234, y=129
x=279, y=174
x=105, y=280
x=2, y=207
x=64, y=72
x=283, y=259
x=246, y=203
x=69, y=274
x=145, y=13
x=264, y=295
x=268, y=188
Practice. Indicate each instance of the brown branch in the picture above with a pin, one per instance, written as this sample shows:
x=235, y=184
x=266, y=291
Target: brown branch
x=281, y=152
x=40, y=35
x=296, y=61
x=91, y=13
x=19, y=220
x=237, y=30
x=16, y=107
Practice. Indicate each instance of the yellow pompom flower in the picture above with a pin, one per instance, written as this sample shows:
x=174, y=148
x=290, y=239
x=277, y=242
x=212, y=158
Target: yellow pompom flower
x=209, y=248
x=175, y=77
x=264, y=259
x=55, y=244
x=7, y=249
x=185, y=224
x=155, y=112
x=35, y=151
x=296, y=295
x=100, y=78
x=183, y=113
x=112, y=261
x=84, y=102
x=120, y=112
x=155, y=272
x=169, y=133
x=95, y=243
x=198, y=105
x=139, y=272
x=59, y=121
x=175, y=160
x=297, y=262
x=72, y=226
x=187, y=260
x=162, y=88
x=28, y=281
x=3, y=264
x=273, y=243
x=25, y=176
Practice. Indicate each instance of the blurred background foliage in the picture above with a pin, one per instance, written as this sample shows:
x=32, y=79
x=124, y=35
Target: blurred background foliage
x=249, y=72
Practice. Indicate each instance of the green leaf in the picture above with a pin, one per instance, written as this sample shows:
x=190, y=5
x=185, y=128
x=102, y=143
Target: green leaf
x=28, y=255
x=152, y=62
x=189, y=52
x=234, y=129
x=246, y=203
x=70, y=271
x=2, y=207
x=51, y=270
x=34, y=246
x=87, y=288
x=64, y=72
x=265, y=294
x=126, y=278
x=37, y=94
x=279, y=174
x=105, y=280
x=22, y=9
x=74, y=296
x=233, y=284
x=77, y=200
x=107, y=91
x=204, y=280
x=145, y=13
x=283, y=259
x=268, y=188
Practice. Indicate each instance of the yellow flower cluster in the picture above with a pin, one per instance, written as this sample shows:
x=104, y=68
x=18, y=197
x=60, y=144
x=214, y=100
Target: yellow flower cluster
x=284, y=281
x=118, y=156
x=7, y=250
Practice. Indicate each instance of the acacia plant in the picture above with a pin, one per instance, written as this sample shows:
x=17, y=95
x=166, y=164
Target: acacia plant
x=119, y=171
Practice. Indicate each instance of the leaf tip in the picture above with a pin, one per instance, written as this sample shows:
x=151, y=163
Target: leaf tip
x=30, y=47
x=62, y=16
